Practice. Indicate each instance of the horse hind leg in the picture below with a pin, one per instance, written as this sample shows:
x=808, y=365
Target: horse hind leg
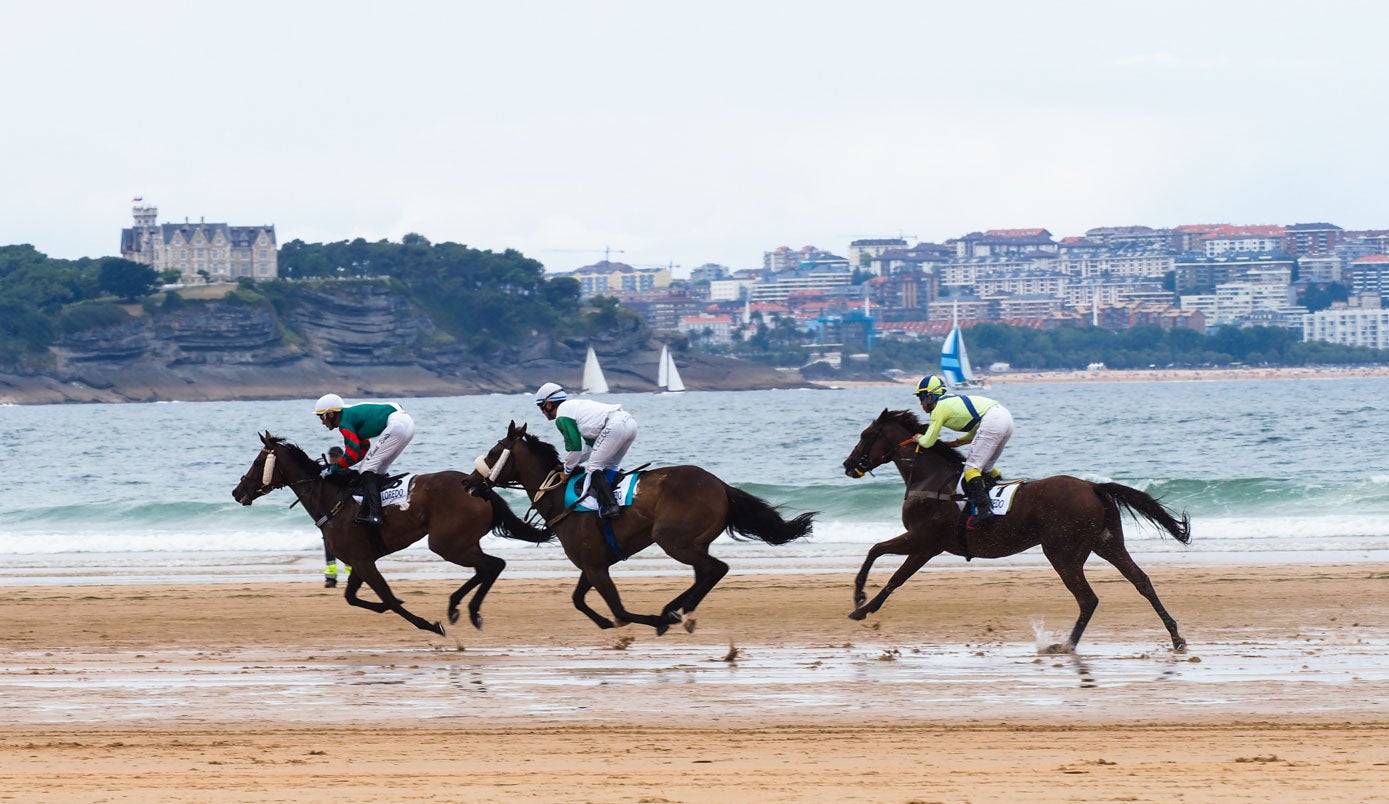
x=486, y=571
x=581, y=603
x=1118, y=555
x=1070, y=566
x=708, y=571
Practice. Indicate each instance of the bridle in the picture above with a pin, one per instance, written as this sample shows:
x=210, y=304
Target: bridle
x=491, y=475
x=267, y=476
x=865, y=464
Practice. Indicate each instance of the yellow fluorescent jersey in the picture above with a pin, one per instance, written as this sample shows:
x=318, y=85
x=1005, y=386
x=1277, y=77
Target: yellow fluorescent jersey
x=951, y=412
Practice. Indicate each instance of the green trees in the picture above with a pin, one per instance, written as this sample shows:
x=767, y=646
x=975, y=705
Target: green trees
x=126, y=280
x=1139, y=347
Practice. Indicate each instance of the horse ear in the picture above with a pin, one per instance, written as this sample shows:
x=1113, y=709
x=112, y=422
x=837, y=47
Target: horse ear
x=522, y=431
x=511, y=429
x=266, y=438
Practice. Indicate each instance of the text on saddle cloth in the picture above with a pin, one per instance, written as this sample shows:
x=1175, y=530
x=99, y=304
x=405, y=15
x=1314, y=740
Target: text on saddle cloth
x=1000, y=496
x=398, y=494
x=625, y=491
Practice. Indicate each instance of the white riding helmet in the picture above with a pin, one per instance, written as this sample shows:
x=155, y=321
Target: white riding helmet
x=326, y=403
x=550, y=392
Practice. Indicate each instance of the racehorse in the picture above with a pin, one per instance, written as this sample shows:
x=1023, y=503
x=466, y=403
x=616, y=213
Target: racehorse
x=438, y=505
x=1069, y=517
x=680, y=508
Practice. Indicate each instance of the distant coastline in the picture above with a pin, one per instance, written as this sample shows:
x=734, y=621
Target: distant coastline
x=1156, y=375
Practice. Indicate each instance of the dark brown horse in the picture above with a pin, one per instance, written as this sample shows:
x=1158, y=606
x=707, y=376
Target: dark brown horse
x=680, y=508
x=439, y=506
x=1069, y=517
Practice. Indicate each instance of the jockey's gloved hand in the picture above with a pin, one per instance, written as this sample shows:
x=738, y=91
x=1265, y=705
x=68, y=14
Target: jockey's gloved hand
x=330, y=469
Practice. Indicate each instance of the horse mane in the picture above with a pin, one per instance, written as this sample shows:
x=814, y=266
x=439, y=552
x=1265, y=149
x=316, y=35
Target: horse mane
x=545, y=449
x=909, y=421
x=294, y=453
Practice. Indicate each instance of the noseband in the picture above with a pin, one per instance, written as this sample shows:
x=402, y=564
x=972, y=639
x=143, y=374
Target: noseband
x=864, y=465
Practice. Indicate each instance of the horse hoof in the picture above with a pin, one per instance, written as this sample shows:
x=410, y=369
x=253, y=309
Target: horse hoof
x=858, y=614
x=437, y=628
x=476, y=619
x=662, y=629
x=1058, y=648
x=674, y=617
x=859, y=600
x=689, y=623
x=1179, y=645
x=453, y=616
x=620, y=624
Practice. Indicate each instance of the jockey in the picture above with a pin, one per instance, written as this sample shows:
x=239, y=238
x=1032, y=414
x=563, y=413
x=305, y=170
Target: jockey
x=986, y=425
x=359, y=424
x=595, y=434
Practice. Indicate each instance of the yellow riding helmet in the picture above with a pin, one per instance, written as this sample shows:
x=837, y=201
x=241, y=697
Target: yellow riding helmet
x=931, y=386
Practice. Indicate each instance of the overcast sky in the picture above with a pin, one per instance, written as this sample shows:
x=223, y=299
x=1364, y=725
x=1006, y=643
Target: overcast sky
x=686, y=133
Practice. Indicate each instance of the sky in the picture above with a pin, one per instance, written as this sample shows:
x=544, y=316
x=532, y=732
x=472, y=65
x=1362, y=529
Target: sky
x=679, y=134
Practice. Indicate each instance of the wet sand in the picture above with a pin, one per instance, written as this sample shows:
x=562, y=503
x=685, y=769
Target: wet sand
x=280, y=691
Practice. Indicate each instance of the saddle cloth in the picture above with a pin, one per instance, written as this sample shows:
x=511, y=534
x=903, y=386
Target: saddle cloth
x=625, y=492
x=1000, y=496
x=398, y=494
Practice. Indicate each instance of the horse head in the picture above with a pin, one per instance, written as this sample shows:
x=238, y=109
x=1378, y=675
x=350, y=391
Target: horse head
x=882, y=440
x=496, y=467
x=278, y=464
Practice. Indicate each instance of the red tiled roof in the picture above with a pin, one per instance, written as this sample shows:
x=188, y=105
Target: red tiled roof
x=1371, y=258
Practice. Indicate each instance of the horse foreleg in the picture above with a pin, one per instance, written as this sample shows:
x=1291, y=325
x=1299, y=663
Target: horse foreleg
x=897, y=546
x=389, y=602
x=580, y=603
x=1119, y=556
x=914, y=562
x=603, y=582
x=486, y=571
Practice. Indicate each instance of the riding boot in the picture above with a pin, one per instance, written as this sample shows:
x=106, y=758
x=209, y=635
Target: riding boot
x=993, y=477
x=370, y=512
x=603, y=491
x=983, y=507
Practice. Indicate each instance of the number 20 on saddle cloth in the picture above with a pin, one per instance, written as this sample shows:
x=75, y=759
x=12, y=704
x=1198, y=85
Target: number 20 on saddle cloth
x=578, y=498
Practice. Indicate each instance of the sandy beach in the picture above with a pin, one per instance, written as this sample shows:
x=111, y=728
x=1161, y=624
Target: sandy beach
x=217, y=692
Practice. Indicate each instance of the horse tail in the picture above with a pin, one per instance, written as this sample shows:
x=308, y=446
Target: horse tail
x=751, y=517
x=507, y=524
x=1140, y=503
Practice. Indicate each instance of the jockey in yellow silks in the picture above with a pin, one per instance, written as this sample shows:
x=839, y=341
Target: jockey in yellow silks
x=986, y=427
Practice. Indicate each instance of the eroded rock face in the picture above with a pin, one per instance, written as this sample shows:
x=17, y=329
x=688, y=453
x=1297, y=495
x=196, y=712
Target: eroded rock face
x=360, y=339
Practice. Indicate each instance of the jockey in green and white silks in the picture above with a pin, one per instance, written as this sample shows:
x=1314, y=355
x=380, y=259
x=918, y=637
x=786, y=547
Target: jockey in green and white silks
x=986, y=427
x=596, y=435
x=374, y=435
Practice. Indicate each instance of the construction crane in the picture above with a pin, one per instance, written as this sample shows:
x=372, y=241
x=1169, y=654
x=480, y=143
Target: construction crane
x=606, y=251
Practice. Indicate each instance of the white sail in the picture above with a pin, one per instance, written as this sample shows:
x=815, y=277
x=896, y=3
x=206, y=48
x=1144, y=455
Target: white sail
x=663, y=368
x=594, y=382
x=669, y=375
x=954, y=360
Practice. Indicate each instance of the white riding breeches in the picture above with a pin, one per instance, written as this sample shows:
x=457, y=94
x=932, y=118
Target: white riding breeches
x=613, y=441
x=995, y=428
x=387, y=446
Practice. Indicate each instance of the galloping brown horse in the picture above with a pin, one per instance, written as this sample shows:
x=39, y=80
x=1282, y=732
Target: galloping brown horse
x=439, y=506
x=1069, y=517
x=680, y=508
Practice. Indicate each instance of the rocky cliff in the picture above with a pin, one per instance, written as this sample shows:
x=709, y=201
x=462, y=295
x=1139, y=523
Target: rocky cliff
x=359, y=340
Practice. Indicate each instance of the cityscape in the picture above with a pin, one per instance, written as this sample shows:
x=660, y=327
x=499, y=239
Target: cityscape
x=1327, y=282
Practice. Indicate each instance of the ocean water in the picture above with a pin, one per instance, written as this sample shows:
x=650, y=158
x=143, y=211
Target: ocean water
x=1285, y=470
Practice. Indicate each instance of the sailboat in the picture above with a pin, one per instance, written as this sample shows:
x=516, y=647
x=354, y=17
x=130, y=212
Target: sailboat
x=954, y=360
x=667, y=375
x=594, y=381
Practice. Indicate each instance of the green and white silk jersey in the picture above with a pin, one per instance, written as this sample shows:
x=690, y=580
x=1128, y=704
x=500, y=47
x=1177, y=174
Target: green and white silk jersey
x=580, y=421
